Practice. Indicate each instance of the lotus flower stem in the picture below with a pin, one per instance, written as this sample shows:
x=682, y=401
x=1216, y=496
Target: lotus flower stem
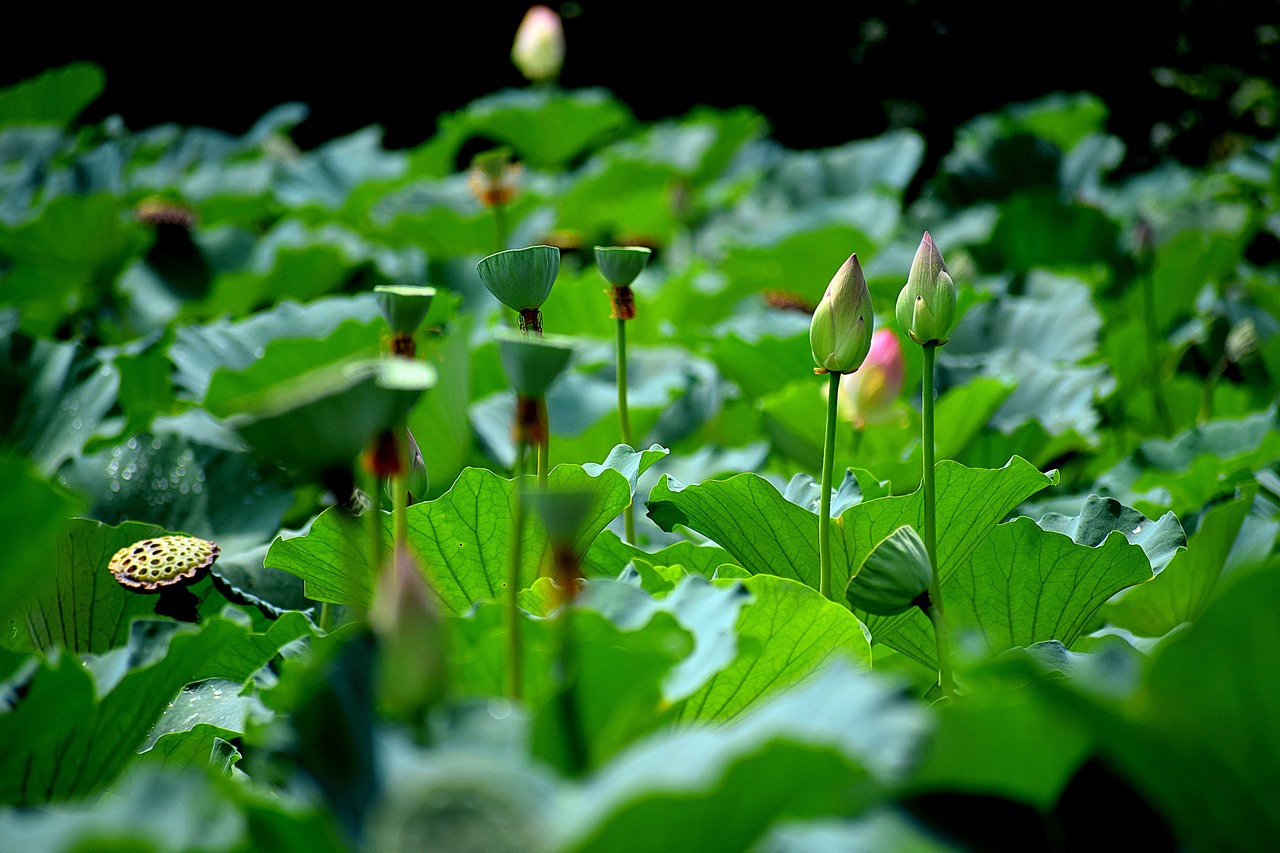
x=624, y=422
x=934, y=612
x=1159, y=406
x=514, y=651
x=500, y=226
x=930, y=531
x=828, y=466
x=400, y=491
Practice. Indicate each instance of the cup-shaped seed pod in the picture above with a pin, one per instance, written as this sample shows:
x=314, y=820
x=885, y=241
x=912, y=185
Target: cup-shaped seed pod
x=564, y=512
x=168, y=561
x=620, y=265
x=840, y=332
x=532, y=364
x=493, y=177
x=404, y=306
x=521, y=279
x=926, y=308
x=322, y=419
x=894, y=576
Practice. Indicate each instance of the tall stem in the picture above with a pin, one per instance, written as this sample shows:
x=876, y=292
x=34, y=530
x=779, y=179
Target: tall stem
x=400, y=492
x=514, y=651
x=500, y=226
x=1159, y=406
x=931, y=518
x=824, y=501
x=624, y=422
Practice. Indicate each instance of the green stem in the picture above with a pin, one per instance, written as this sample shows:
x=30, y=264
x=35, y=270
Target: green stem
x=934, y=612
x=1159, y=406
x=500, y=226
x=930, y=532
x=400, y=493
x=514, y=651
x=624, y=422
x=374, y=524
x=828, y=465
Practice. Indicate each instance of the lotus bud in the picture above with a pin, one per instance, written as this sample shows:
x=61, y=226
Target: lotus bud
x=539, y=47
x=868, y=393
x=926, y=308
x=404, y=306
x=406, y=618
x=419, y=481
x=840, y=332
x=521, y=279
x=1241, y=340
x=895, y=576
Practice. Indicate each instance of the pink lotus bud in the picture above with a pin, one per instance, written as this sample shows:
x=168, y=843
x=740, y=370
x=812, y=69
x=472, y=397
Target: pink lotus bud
x=867, y=394
x=539, y=48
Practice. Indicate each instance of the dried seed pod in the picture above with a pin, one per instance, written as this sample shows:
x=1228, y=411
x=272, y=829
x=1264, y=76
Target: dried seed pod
x=150, y=565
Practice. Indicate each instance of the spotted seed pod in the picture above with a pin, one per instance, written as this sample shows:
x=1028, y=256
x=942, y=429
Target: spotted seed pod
x=153, y=564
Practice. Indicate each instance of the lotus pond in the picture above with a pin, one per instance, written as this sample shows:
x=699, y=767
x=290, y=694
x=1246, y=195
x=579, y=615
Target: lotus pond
x=641, y=580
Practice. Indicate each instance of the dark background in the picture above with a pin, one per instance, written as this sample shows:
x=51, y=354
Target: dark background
x=823, y=74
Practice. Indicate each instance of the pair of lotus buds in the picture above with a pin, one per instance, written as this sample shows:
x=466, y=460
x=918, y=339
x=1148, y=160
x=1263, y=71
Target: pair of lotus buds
x=840, y=333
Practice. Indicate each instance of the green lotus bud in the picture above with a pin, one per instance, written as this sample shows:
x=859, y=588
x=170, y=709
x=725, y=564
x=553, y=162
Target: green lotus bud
x=894, y=576
x=521, y=279
x=404, y=306
x=840, y=333
x=532, y=364
x=926, y=308
x=621, y=264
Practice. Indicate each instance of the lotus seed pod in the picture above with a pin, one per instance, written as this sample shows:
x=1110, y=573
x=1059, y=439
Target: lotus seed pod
x=521, y=279
x=620, y=265
x=152, y=564
x=539, y=46
x=493, y=178
x=840, y=332
x=867, y=394
x=531, y=363
x=404, y=306
x=896, y=573
x=325, y=418
x=926, y=308
x=563, y=512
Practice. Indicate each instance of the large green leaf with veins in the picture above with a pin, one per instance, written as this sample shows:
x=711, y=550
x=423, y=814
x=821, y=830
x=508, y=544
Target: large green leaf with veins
x=462, y=538
x=1028, y=583
x=33, y=516
x=838, y=741
x=70, y=736
x=785, y=633
x=85, y=610
x=767, y=534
